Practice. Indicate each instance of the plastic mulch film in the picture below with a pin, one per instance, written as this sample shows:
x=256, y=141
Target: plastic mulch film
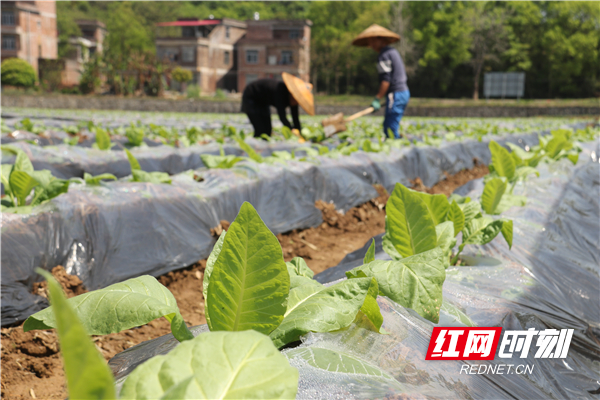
x=121, y=230
x=66, y=161
x=549, y=280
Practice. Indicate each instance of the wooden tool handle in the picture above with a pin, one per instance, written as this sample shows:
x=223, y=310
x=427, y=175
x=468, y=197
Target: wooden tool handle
x=360, y=114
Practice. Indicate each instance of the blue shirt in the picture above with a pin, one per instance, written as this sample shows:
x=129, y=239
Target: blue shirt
x=391, y=69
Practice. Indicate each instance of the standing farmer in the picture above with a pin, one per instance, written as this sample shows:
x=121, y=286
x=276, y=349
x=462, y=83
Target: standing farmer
x=392, y=75
x=260, y=95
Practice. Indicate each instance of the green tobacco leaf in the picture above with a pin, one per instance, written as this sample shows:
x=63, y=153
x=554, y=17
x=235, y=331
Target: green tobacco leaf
x=135, y=136
x=103, y=139
x=437, y=205
x=300, y=273
x=298, y=267
x=216, y=365
x=414, y=282
x=410, y=226
x=507, y=231
x=331, y=309
x=95, y=180
x=370, y=256
x=223, y=162
x=370, y=307
x=492, y=194
x=456, y=215
x=210, y=263
x=118, y=307
x=573, y=158
x=455, y=312
x=21, y=184
x=445, y=239
x=6, y=170
x=49, y=187
x=152, y=177
x=556, y=145
x=301, y=293
x=337, y=361
x=480, y=231
x=388, y=246
x=286, y=132
x=523, y=172
x=22, y=162
x=249, y=283
x=470, y=210
x=250, y=151
x=88, y=376
x=133, y=162
x=508, y=201
x=503, y=163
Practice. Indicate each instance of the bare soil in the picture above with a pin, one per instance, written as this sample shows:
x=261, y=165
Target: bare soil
x=33, y=369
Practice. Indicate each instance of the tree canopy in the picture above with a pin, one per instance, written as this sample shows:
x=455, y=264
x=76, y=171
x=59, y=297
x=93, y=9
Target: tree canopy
x=446, y=46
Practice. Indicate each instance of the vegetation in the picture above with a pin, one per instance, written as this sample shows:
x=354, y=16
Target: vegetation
x=182, y=75
x=25, y=187
x=17, y=72
x=446, y=46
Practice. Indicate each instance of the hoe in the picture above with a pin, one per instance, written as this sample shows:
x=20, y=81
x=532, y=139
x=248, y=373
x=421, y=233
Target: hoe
x=337, y=123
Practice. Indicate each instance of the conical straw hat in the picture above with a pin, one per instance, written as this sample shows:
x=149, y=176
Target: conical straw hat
x=301, y=91
x=375, y=31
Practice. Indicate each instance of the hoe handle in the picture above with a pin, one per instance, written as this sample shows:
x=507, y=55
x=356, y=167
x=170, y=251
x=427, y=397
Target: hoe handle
x=360, y=114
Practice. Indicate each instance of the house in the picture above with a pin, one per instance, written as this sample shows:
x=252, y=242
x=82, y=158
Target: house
x=29, y=31
x=206, y=47
x=83, y=47
x=228, y=54
x=271, y=47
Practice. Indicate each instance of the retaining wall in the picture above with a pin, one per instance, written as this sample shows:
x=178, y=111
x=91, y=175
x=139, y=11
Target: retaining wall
x=203, y=106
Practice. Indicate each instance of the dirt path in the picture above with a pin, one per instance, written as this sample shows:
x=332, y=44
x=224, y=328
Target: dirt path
x=32, y=367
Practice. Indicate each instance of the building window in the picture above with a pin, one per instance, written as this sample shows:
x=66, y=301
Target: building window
x=8, y=18
x=251, y=56
x=9, y=42
x=286, y=57
x=187, y=54
x=251, y=78
x=227, y=33
x=188, y=31
x=226, y=58
x=295, y=34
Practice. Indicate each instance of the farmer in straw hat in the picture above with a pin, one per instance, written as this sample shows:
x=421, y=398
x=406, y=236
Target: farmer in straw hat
x=392, y=75
x=261, y=94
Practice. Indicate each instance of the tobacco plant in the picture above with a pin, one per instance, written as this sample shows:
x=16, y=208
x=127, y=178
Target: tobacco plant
x=212, y=365
x=247, y=285
x=421, y=232
x=20, y=180
x=139, y=175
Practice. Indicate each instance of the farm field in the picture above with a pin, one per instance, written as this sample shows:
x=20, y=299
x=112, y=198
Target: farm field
x=487, y=215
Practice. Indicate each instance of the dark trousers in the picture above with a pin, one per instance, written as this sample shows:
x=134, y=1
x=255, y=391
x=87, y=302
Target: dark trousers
x=259, y=116
x=261, y=121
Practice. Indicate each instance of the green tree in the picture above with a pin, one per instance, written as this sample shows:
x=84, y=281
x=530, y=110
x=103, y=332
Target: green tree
x=17, y=72
x=489, y=36
x=443, y=39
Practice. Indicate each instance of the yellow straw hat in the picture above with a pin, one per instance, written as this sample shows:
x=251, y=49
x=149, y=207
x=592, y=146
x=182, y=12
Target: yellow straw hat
x=375, y=31
x=301, y=91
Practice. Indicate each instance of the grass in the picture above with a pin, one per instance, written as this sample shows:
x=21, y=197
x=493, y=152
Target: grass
x=356, y=100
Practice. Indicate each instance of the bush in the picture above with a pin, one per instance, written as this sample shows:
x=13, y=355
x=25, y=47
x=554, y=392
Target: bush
x=193, y=91
x=17, y=72
x=182, y=75
x=220, y=94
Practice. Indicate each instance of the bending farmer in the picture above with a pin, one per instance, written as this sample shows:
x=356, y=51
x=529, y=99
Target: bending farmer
x=392, y=75
x=260, y=95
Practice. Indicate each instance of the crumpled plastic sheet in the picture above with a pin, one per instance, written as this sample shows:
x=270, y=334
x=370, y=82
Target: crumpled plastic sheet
x=121, y=230
x=66, y=161
x=549, y=279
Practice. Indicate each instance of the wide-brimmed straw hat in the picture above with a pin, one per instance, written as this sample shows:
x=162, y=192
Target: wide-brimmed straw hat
x=301, y=91
x=375, y=31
